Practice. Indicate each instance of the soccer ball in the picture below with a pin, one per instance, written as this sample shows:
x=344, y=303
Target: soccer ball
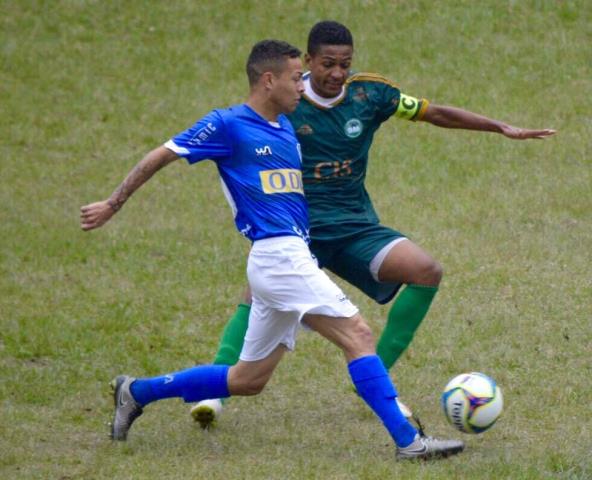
x=472, y=402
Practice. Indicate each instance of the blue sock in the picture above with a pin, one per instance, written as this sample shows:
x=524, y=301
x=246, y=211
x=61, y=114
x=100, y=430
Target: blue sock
x=375, y=387
x=193, y=385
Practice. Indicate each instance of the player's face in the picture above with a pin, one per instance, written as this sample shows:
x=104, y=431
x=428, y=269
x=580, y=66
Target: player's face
x=288, y=86
x=329, y=68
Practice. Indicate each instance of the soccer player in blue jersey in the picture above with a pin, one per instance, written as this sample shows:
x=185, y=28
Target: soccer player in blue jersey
x=335, y=123
x=258, y=157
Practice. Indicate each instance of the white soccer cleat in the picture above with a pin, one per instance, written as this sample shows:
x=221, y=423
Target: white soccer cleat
x=126, y=407
x=428, y=447
x=207, y=412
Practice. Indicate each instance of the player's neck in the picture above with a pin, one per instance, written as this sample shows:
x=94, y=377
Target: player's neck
x=264, y=108
x=316, y=97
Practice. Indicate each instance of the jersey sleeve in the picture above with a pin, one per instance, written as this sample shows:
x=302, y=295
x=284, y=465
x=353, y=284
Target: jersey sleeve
x=206, y=139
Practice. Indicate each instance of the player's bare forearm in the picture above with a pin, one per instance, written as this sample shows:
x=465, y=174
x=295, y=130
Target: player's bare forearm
x=139, y=175
x=97, y=214
x=452, y=117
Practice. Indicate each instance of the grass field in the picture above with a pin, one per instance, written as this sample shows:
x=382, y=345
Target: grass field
x=87, y=87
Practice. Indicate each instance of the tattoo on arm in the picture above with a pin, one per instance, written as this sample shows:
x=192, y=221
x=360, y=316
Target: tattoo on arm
x=139, y=175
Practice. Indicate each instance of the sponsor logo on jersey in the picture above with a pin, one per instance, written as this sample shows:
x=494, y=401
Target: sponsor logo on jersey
x=202, y=134
x=335, y=169
x=305, y=130
x=266, y=150
x=282, y=180
x=353, y=128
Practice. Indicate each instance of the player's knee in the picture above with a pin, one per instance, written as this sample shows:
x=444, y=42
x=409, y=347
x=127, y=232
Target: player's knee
x=436, y=273
x=430, y=274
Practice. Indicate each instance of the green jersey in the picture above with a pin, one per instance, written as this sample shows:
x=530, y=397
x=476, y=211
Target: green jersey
x=335, y=140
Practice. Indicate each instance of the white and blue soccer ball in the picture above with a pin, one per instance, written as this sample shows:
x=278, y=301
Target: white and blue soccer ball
x=472, y=402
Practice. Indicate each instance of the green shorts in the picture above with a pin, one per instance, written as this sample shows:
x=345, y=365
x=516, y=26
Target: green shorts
x=349, y=258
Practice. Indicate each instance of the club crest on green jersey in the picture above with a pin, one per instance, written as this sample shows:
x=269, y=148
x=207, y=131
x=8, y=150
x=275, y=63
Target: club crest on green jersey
x=353, y=128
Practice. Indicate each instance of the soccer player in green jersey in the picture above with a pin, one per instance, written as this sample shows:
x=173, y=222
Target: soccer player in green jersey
x=335, y=123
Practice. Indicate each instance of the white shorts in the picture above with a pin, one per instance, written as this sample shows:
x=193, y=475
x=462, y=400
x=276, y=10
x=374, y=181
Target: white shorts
x=286, y=283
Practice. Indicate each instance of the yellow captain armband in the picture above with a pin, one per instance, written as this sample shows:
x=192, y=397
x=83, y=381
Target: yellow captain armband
x=410, y=108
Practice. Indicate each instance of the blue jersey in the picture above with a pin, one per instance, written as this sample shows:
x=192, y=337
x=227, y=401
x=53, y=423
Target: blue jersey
x=260, y=167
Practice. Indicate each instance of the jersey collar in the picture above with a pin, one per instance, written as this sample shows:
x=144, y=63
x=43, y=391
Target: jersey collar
x=310, y=95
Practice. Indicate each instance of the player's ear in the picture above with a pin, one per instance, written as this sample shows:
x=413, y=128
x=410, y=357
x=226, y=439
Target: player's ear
x=307, y=60
x=267, y=80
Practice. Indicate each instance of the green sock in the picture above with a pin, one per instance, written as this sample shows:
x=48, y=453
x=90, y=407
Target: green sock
x=409, y=309
x=233, y=336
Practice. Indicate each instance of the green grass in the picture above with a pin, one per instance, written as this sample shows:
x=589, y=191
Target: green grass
x=88, y=87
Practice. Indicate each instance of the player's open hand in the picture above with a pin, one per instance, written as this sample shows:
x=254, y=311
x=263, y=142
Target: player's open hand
x=95, y=215
x=524, y=133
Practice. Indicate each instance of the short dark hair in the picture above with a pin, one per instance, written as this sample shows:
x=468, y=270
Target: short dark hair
x=269, y=55
x=328, y=32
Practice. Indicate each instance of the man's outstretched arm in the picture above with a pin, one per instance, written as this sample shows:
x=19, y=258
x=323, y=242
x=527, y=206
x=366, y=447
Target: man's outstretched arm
x=97, y=214
x=452, y=117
